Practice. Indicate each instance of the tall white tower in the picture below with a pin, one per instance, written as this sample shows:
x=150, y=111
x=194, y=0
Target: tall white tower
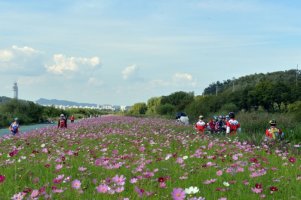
x=15, y=89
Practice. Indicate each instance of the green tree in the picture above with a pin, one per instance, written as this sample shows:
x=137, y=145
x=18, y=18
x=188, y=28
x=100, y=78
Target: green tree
x=166, y=109
x=198, y=107
x=138, y=109
x=152, y=105
x=178, y=99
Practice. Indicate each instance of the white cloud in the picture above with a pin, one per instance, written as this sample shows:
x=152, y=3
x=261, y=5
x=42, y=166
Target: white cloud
x=63, y=63
x=129, y=71
x=16, y=53
x=182, y=77
x=25, y=50
x=6, y=55
x=23, y=59
x=178, y=79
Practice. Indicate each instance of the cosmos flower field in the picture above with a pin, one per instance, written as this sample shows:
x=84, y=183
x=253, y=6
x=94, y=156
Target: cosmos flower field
x=117, y=157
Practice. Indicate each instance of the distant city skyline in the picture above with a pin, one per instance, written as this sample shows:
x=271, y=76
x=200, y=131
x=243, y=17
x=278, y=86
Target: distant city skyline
x=123, y=52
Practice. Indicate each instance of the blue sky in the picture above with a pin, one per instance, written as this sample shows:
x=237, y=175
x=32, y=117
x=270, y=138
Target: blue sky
x=124, y=52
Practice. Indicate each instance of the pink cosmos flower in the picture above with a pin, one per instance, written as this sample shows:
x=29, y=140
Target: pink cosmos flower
x=141, y=149
x=82, y=169
x=76, y=184
x=18, y=196
x=222, y=198
x=59, y=166
x=235, y=157
x=119, y=180
x=240, y=169
x=57, y=190
x=258, y=173
x=219, y=173
x=34, y=194
x=180, y=160
x=119, y=189
x=257, y=190
x=133, y=180
x=207, y=182
x=103, y=188
x=178, y=194
x=209, y=164
x=45, y=150
x=162, y=185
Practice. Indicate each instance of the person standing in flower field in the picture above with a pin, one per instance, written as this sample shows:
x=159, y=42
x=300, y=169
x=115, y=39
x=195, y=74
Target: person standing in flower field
x=72, y=118
x=273, y=132
x=200, y=126
x=62, y=122
x=14, y=127
x=232, y=125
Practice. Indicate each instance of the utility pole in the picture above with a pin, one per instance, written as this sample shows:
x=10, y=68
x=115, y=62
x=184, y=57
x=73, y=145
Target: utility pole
x=216, y=89
x=297, y=71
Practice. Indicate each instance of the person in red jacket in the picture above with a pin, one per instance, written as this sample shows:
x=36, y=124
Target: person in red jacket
x=273, y=132
x=232, y=125
x=62, y=122
x=211, y=125
x=72, y=118
x=200, y=126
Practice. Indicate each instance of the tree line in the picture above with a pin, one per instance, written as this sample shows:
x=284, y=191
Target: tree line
x=271, y=92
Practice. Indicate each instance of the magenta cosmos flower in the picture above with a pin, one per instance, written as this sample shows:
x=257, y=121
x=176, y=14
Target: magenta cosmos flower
x=178, y=194
x=292, y=159
x=273, y=188
x=2, y=178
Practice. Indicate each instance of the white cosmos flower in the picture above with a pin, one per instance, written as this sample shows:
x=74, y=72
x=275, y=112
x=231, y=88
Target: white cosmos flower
x=191, y=190
x=226, y=184
x=168, y=156
x=185, y=157
x=43, y=145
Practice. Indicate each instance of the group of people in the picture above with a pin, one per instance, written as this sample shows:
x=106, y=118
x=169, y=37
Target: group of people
x=227, y=124
x=231, y=126
x=62, y=123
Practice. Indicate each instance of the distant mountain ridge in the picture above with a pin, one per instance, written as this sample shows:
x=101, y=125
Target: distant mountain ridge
x=43, y=101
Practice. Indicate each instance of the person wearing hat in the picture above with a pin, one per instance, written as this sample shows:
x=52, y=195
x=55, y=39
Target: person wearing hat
x=14, y=127
x=200, y=126
x=62, y=122
x=273, y=132
x=232, y=125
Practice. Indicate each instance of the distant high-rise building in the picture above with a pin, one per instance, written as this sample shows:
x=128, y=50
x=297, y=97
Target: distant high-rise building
x=15, y=89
